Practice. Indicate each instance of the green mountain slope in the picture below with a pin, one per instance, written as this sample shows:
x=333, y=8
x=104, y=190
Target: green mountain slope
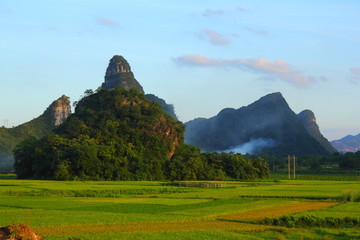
x=53, y=116
x=113, y=134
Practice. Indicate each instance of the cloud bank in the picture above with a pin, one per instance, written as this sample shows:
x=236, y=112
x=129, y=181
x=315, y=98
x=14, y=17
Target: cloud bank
x=279, y=69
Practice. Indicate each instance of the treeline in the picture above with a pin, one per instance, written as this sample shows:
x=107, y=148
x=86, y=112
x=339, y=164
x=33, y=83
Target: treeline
x=120, y=135
x=345, y=161
x=54, y=157
x=312, y=221
x=189, y=164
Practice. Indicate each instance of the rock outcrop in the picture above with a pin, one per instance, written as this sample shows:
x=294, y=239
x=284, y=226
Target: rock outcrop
x=307, y=117
x=18, y=232
x=119, y=74
x=59, y=110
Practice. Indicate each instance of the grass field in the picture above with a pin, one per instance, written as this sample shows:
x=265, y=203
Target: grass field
x=157, y=210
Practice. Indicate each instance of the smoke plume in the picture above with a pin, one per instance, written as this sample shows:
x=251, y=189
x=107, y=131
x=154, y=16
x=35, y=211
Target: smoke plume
x=253, y=146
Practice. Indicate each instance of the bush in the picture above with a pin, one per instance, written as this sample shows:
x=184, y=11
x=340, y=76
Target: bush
x=350, y=195
x=312, y=221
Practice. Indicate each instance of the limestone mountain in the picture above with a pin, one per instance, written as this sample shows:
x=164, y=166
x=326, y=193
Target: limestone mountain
x=119, y=74
x=308, y=119
x=349, y=143
x=268, y=123
x=113, y=134
x=52, y=117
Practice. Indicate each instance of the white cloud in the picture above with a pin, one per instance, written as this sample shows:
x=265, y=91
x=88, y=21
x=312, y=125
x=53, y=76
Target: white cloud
x=196, y=60
x=277, y=70
x=240, y=9
x=257, y=31
x=215, y=38
x=107, y=22
x=220, y=12
x=210, y=12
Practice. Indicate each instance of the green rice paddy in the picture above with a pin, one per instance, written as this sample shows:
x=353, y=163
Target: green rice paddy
x=157, y=210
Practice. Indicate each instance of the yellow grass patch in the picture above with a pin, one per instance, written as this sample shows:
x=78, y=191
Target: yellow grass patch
x=277, y=211
x=146, y=227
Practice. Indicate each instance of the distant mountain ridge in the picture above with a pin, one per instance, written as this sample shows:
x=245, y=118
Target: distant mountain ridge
x=349, y=143
x=268, y=123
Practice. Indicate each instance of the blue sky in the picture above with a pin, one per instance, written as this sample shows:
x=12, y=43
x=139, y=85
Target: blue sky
x=201, y=56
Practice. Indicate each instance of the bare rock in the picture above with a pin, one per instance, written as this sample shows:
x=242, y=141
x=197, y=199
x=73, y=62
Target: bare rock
x=18, y=232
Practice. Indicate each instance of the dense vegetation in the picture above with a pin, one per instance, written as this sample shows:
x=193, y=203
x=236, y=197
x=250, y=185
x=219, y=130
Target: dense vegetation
x=120, y=135
x=38, y=127
x=189, y=164
x=336, y=161
x=10, y=137
x=168, y=108
x=313, y=221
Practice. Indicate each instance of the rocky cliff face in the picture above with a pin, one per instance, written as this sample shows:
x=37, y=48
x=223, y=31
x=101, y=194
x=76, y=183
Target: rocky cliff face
x=119, y=74
x=267, y=123
x=59, y=110
x=307, y=117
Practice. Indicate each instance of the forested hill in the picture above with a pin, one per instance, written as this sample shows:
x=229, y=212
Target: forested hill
x=53, y=116
x=113, y=134
x=120, y=135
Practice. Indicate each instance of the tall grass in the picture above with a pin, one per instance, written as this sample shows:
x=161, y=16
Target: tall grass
x=350, y=196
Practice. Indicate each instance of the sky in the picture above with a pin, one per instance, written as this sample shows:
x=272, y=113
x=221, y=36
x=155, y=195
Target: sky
x=201, y=56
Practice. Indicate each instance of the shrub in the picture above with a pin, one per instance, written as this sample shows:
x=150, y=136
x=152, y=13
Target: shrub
x=312, y=221
x=350, y=195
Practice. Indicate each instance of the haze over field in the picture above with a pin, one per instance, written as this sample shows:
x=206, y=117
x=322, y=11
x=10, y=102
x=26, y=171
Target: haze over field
x=200, y=56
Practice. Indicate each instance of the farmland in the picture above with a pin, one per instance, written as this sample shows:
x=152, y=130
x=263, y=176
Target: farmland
x=186, y=210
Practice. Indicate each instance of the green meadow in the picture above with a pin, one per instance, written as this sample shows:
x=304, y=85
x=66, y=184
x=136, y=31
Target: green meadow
x=186, y=210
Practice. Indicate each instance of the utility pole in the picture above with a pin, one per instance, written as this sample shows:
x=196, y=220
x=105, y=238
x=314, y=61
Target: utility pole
x=289, y=166
x=294, y=159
